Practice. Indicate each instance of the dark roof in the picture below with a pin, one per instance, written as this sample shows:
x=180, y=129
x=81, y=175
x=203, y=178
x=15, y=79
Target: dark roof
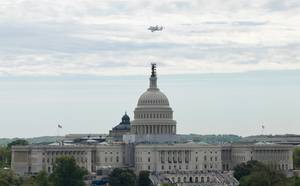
x=124, y=124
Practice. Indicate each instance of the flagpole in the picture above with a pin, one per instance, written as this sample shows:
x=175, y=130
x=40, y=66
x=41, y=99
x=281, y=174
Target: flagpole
x=58, y=134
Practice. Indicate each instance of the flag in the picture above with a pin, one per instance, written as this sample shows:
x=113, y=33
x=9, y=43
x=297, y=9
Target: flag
x=59, y=126
x=263, y=127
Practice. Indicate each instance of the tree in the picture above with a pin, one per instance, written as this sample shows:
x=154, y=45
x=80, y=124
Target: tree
x=122, y=177
x=143, y=179
x=67, y=173
x=254, y=173
x=4, y=157
x=266, y=177
x=17, y=142
x=293, y=181
x=296, y=158
x=30, y=181
x=8, y=177
x=42, y=179
x=244, y=169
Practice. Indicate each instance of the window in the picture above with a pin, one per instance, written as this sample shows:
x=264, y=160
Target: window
x=162, y=167
x=148, y=159
x=148, y=167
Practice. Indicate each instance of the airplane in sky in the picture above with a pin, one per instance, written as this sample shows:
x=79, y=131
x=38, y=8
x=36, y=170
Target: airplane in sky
x=155, y=28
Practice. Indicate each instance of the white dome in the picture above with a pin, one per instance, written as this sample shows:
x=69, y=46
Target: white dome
x=153, y=97
x=153, y=115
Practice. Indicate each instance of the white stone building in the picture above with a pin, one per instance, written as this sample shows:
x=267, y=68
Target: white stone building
x=153, y=145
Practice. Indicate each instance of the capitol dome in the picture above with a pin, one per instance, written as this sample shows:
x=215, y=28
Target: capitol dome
x=153, y=98
x=153, y=114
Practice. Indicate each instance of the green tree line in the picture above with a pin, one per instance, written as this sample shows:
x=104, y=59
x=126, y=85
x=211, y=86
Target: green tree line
x=254, y=173
x=65, y=173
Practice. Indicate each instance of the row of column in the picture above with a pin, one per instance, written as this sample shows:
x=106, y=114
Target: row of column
x=175, y=156
x=155, y=129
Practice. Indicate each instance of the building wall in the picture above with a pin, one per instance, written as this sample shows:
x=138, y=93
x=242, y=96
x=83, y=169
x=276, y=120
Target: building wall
x=33, y=159
x=178, y=157
x=165, y=158
x=110, y=156
x=277, y=156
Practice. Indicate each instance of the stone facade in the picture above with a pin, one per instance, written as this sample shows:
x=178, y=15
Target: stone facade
x=152, y=157
x=277, y=156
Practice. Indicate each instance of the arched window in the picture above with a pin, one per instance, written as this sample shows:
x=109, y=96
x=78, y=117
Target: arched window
x=178, y=180
x=184, y=179
x=196, y=179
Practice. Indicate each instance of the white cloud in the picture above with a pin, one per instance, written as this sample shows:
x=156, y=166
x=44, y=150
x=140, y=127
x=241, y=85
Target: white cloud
x=56, y=37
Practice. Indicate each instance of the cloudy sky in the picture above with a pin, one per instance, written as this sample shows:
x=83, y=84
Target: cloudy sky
x=68, y=60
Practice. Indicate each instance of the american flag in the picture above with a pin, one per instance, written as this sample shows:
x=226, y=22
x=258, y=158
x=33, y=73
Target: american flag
x=59, y=126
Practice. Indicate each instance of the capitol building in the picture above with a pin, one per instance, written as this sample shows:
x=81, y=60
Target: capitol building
x=149, y=143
